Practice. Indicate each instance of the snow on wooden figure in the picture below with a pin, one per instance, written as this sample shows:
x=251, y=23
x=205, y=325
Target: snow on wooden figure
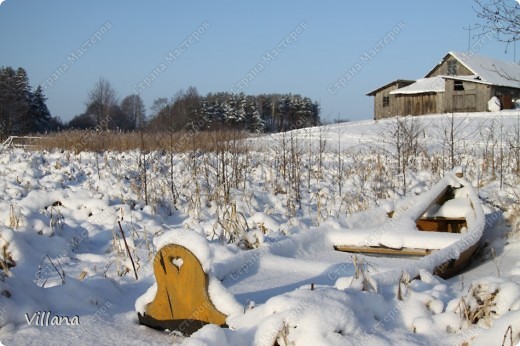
x=182, y=302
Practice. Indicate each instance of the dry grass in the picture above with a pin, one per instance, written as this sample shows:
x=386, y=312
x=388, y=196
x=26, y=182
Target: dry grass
x=233, y=226
x=14, y=216
x=514, y=219
x=362, y=275
x=478, y=305
x=99, y=141
x=6, y=261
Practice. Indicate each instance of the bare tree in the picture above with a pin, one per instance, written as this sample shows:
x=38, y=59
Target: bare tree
x=454, y=131
x=501, y=17
x=100, y=102
x=514, y=146
x=158, y=105
x=134, y=109
x=402, y=137
x=178, y=113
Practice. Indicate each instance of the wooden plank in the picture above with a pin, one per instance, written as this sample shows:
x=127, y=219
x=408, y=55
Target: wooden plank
x=450, y=225
x=182, y=301
x=380, y=250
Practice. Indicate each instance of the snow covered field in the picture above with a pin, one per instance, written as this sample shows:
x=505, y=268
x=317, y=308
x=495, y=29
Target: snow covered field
x=262, y=209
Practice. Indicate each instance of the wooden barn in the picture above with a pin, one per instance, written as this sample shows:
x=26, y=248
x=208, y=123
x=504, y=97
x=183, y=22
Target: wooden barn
x=461, y=82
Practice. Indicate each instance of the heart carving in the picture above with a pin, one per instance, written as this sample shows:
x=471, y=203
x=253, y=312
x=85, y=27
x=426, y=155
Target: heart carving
x=180, y=296
x=177, y=262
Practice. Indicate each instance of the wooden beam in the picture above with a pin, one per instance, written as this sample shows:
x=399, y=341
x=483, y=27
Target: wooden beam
x=380, y=250
x=441, y=224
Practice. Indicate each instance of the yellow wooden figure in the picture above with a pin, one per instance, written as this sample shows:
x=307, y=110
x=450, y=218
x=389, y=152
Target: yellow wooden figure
x=182, y=302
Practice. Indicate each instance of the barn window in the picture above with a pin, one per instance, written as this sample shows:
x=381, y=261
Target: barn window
x=458, y=85
x=452, y=67
x=386, y=101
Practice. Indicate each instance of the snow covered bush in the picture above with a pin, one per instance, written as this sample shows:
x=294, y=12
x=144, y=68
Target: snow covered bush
x=494, y=104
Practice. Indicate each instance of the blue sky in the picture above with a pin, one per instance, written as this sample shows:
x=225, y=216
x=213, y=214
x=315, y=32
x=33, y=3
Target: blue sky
x=214, y=45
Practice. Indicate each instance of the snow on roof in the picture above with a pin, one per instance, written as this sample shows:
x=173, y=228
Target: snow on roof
x=424, y=85
x=397, y=81
x=491, y=71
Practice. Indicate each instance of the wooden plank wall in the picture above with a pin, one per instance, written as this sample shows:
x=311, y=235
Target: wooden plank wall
x=442, y=70
x=473, y=98
x=381, y=112
x=418, y=104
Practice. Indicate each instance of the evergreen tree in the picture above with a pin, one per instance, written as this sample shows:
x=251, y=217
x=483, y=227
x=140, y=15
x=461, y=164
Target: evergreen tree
x=21, y=123
x=41, y=117
x=256, y=124
x=15, y=101
x=6, y=99
x=216, y=113
x=254, y=121
x=228, y=112
x=240, y=110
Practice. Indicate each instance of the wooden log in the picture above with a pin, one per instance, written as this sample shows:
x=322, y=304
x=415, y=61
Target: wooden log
x=182, y=302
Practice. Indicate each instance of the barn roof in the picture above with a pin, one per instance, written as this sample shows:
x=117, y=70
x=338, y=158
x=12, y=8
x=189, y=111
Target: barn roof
x=487, y=70
x=398, y=82
x=424, y=85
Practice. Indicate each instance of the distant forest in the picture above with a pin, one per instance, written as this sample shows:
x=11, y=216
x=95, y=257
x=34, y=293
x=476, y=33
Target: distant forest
x=188, y=110
x=23, y=111
x=261, y=113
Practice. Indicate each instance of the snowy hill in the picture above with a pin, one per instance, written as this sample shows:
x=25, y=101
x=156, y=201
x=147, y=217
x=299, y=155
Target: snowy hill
x=63, y=255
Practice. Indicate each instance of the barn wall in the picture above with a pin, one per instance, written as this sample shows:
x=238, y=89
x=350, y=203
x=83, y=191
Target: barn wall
x=473, y=98
x=392, y=109
x=483, y=96
x=419, y=104
x=442, y=69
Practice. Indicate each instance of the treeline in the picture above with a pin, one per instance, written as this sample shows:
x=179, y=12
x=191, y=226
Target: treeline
x=261, y=113
x=22, y=110
x=188, y=110
x=104, y=111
